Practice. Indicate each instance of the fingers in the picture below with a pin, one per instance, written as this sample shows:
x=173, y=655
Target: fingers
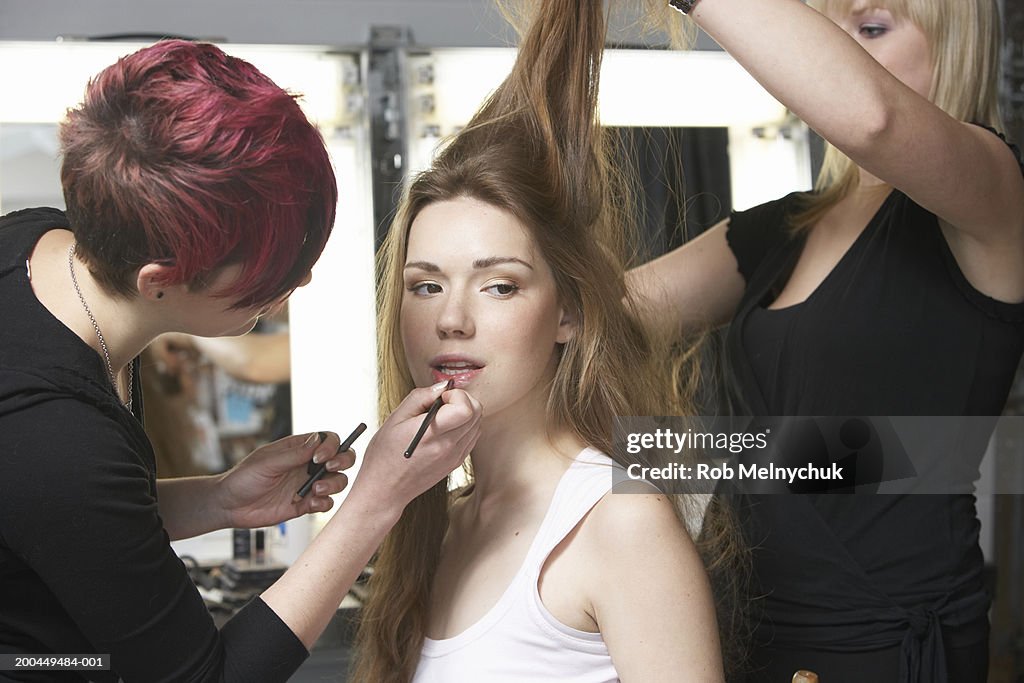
x=460, y=411
x=314, y=447
x=445, y=445
x=315, y=504
x=319, y=498
x=388, y=478
x=342, y=461
x=459, y=416
x=330, y=484
x=417, y=402
x=325, y=447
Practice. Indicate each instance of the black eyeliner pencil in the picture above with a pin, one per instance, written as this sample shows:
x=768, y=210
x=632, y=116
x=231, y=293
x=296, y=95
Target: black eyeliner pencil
x=434, y=407
x=321, y=469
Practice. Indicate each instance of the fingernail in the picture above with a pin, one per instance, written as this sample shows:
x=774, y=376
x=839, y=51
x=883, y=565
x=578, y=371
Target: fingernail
x=313, y=440
x=441, y=386
x=317, y=458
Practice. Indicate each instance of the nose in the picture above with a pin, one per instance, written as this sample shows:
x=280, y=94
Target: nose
x=455, y=319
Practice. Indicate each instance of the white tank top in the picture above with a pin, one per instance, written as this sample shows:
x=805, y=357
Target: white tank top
x=519, y=639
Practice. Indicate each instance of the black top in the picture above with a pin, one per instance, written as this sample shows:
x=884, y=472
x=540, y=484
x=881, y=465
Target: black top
x=895, y=329
x=85, y=562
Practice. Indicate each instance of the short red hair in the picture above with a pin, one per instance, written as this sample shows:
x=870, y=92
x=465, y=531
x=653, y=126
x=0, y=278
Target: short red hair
x=185, y=156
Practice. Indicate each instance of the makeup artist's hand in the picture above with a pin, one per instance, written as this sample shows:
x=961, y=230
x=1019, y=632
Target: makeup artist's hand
x=387, y=475
x=258, y=491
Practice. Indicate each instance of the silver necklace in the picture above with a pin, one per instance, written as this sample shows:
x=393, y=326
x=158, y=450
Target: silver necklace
x=99, y=335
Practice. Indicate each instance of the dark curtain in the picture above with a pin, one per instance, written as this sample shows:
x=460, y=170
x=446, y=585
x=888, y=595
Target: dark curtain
x=683, y=187
x=682, y=180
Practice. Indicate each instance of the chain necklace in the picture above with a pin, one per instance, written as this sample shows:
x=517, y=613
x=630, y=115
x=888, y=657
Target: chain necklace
x=99, y=335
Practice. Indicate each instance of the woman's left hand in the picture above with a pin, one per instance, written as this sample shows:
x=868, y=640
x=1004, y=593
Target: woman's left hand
x=260, y=489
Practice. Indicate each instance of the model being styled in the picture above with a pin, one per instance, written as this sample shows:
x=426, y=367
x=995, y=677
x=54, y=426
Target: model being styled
x=504, y=272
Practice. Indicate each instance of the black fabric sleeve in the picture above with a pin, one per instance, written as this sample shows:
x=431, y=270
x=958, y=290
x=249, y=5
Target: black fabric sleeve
x=753, y=233
x=999, y=310
x=43, y=215
x=272, y=656
x=1013, y=148
x=78, y=507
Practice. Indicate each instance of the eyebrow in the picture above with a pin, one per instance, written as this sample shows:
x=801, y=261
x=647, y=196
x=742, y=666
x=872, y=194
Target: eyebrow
x=479, y=264
x=861, y=8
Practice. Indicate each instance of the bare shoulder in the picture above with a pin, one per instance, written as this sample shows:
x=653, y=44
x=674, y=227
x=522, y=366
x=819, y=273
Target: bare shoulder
x=659, y=623
x=639, y=524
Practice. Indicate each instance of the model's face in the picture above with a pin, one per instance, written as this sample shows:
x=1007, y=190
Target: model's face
x=897, y=44
x=480, y=305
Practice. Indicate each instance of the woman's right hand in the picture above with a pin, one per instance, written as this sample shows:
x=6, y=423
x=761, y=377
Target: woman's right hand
x=386, y=474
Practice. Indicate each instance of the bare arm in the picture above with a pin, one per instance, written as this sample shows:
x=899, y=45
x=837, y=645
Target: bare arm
x=694, y=287
x=187, y=506
x=309, y=593
x=651, y=596
x=258, y=491
x=251, y=357
x=960, y=172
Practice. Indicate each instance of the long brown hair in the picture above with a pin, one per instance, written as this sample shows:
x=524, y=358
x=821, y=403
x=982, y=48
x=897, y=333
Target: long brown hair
x=536, y=150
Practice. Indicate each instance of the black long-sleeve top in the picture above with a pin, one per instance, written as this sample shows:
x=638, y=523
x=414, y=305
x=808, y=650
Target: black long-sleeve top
x=85, y=563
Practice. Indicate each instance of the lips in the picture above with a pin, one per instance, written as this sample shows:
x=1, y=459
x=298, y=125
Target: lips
x=461, y=369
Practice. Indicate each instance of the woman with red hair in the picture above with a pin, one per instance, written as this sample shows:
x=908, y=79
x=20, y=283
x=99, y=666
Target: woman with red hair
x=198, y=198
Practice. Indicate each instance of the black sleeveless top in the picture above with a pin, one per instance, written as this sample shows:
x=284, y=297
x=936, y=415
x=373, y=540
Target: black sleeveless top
x=895, y=329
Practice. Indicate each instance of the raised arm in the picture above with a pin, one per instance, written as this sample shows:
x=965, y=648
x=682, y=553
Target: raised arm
x=958, y=171
x=250, y=357
x=694, y=287
x=82, y=516
x=308, y=594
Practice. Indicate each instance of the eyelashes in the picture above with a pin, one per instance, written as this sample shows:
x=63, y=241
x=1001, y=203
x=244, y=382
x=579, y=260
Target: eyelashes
x=873, y=30
x=499, y=290
x=503, y=290
x=424, y=288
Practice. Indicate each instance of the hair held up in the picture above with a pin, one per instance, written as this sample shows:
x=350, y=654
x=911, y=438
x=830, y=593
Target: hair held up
x=536, y=149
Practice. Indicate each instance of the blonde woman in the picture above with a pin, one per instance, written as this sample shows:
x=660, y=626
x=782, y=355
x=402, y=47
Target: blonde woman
x=895, y=288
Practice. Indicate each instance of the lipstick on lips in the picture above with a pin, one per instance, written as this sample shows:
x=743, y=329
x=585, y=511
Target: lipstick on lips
x=460, y=368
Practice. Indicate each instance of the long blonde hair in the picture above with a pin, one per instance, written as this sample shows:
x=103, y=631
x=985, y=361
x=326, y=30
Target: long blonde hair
x=536, y=150
x=964, y=37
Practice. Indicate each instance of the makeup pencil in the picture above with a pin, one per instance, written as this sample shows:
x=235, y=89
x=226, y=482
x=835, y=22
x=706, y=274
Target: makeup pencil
x=321, y=469
x=434, y=407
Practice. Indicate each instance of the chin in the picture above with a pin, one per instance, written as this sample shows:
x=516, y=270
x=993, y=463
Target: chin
x=243, y=329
